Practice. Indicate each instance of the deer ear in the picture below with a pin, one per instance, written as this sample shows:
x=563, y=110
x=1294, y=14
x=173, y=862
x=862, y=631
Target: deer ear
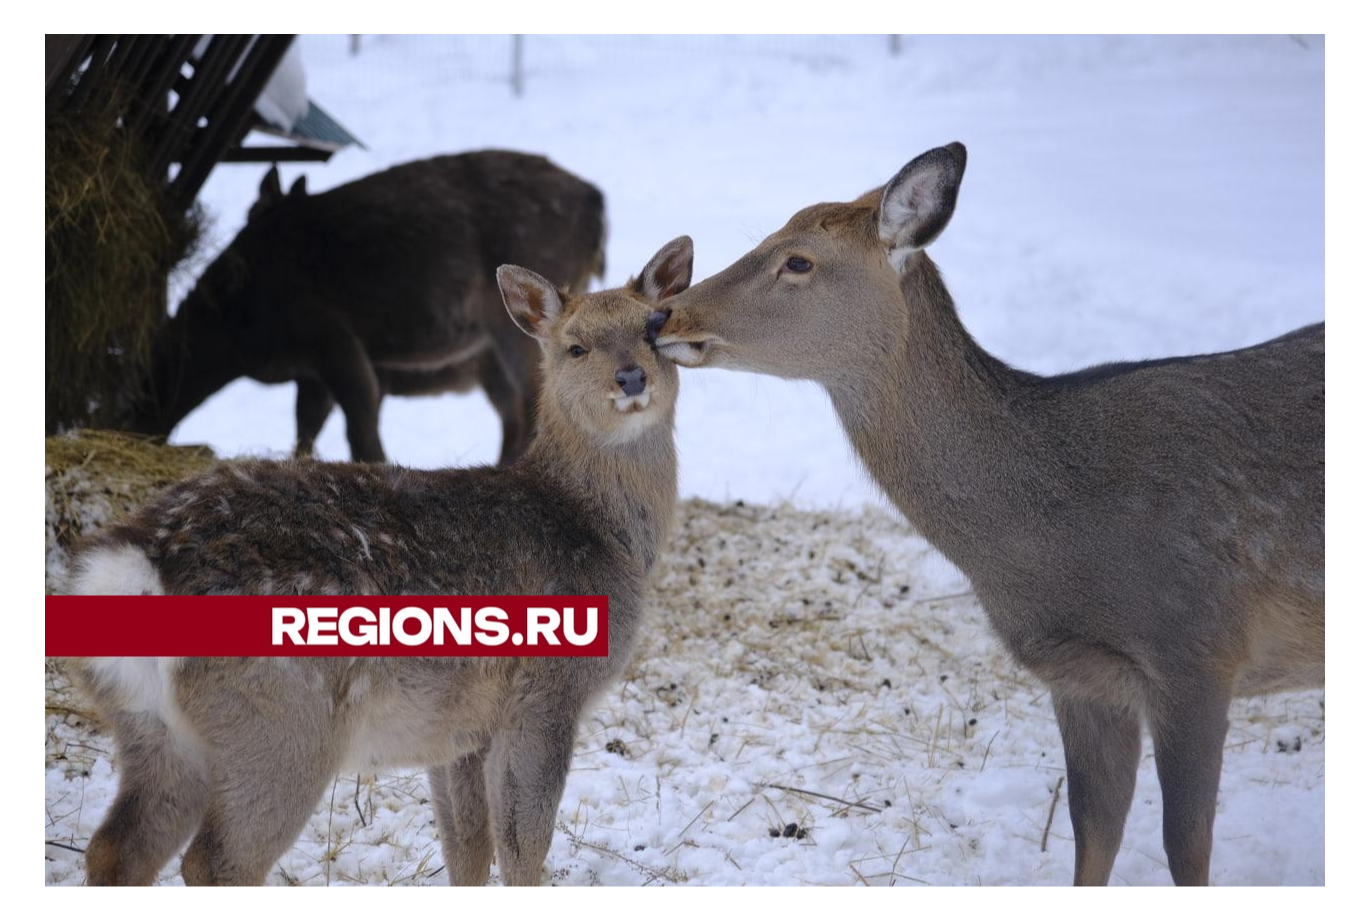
x=299, y=187
x=533, y=302
x=271, y=190
x=668, y=272
x=919, y=201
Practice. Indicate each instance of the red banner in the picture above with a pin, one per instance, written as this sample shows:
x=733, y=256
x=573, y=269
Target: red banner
x=327, y=626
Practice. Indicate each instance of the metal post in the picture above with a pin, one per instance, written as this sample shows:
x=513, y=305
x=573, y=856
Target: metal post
x=517, y=64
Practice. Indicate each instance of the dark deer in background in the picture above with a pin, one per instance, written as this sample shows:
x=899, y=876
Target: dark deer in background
x=1147, y=537
x=386, y=285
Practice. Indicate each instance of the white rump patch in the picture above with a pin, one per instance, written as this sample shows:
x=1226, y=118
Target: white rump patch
x=137, y=683
x=121, y=571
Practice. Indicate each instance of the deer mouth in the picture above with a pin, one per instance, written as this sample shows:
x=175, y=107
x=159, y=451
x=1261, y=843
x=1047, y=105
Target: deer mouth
x=633, y=404
x=682, y=351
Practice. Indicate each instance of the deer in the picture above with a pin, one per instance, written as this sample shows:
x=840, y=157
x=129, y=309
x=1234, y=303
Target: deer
x=238, y=752
x=385, y=285
x=1146, y=538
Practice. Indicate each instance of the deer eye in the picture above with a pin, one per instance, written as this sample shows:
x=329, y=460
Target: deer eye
x=798, y=264
x=576, y=351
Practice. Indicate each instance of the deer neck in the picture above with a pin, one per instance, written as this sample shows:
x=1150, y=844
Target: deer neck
x=632, y=483
x=932, y=416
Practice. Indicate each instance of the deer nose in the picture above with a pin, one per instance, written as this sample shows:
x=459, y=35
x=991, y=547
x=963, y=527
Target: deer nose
x=631, y=380
x=655, y=322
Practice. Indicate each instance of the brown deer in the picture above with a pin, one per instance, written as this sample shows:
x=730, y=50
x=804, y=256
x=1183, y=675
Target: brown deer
x=237, y=752
x=1146, y=537
x=386, y=285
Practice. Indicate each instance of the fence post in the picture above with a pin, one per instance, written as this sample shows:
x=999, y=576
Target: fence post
x=354, y=45
x=895, y=45
x=517, y=64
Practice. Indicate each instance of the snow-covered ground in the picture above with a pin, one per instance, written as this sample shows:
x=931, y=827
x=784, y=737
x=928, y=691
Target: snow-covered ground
x=833, y=653
x=1126, y=198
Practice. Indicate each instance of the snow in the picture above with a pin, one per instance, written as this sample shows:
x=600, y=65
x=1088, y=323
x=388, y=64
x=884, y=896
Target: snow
x=831, y=652
x=1125, y=198
x=283, y=101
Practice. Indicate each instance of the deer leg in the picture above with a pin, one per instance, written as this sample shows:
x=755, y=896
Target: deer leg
x=162, y=792
x=271, y=761
x=460, y=796
x=349, y=376
x=511, y=376
x=1101, y=756
x=1189, y=743
x=313, y=406
x=526, y=770
x=514, y=408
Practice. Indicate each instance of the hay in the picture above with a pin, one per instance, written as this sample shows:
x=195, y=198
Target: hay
x=94, y=477
x=112, y=239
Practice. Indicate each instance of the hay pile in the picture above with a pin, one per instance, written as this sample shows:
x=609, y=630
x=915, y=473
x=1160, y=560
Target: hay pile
x=112, y=239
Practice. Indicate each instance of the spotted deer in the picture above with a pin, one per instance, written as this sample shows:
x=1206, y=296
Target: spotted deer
x=237, y=752
x=386, y=285
x=1147, y=538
